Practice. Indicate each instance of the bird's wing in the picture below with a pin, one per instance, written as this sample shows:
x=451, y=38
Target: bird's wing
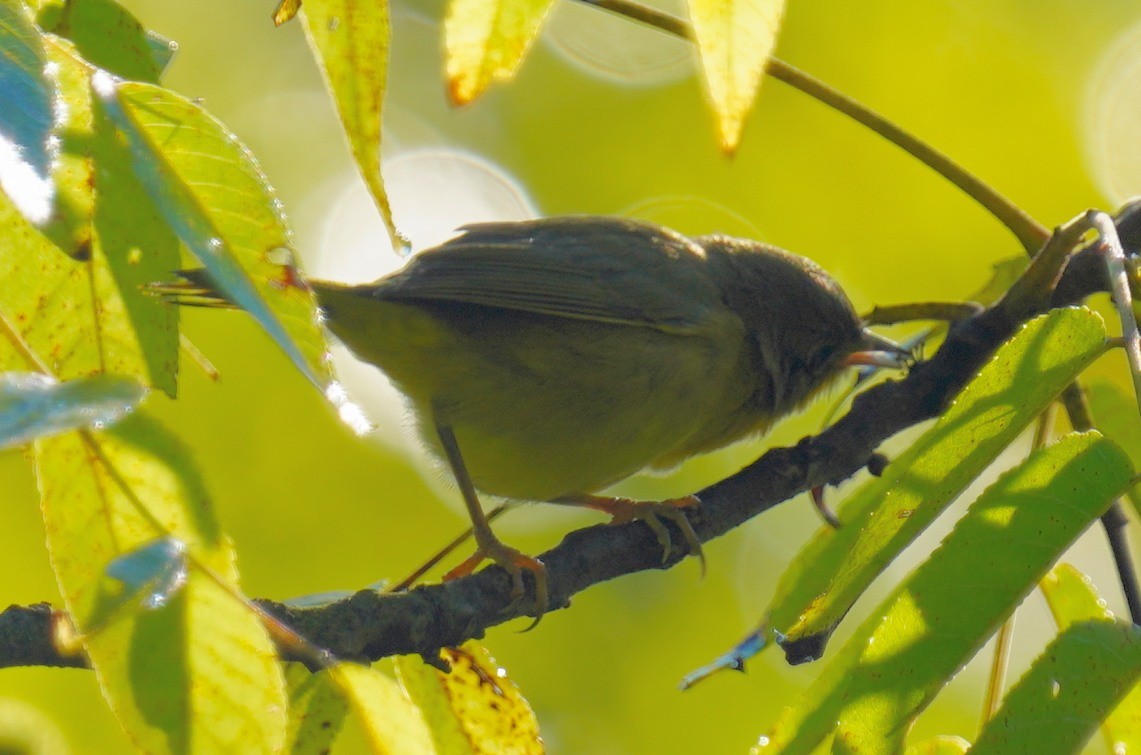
x=603, y=269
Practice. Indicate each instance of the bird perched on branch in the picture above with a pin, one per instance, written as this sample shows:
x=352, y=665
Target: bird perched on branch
x=548, y=359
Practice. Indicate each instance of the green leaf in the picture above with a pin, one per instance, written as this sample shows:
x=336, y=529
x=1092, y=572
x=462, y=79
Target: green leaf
x=1115, y=414
x=486, y=40
x=474, y=707
x=1058, y=703
x=34, y=405
x=391, y=723
x=939, y=617
x=1073, y=599
x=350, y=42
x=317, y=711
x=106, y=35
x=887, y=513
x=735, y=38
x=212, y=192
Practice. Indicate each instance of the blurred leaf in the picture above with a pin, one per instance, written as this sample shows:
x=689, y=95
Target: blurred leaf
x=475, y=708
x=1115, y=414
x=106, y=35
x=26, y=730
x=939, y=617
x=735, y=38
x=390, y=721
x=27, y=115
x=212, y=192
x=317, y=711
x=1072, y=599
x=888, y=512
x=34, y=405
x=350, y=43
x=943, y=744
x=485, y=41
x=1003, y=275
x=1069, y=689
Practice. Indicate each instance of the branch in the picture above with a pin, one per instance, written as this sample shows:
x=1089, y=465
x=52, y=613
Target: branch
x=371, y=625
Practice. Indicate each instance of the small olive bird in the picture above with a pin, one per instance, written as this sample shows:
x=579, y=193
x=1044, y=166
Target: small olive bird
x=548, y=359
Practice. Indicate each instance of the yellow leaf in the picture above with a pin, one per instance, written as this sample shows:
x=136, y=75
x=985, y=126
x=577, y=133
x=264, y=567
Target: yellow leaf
x=485, y=41
x=350, y=43
x=735, y=38
x=391, y=723
x=475, y=708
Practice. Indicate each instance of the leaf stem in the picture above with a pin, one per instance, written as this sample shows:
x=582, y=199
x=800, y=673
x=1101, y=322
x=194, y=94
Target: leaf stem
x=1029, y=232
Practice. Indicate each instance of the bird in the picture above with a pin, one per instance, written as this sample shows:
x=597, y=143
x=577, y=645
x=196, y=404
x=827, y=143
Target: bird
x=547, y=359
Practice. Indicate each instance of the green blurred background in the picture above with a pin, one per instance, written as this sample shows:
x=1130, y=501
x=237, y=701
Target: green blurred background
x=1043, y=99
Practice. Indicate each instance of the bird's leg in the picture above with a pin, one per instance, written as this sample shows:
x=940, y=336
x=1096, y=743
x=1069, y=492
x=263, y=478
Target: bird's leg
x=488, y=546
x=623, y=510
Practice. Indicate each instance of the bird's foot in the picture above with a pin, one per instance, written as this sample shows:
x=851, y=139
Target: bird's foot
x=622, y=510
x=514, y=562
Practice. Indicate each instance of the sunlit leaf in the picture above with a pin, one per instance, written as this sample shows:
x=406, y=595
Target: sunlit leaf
x=485, y=41
x=317, y=711
x=103, y=214
x=391, y=723
x=214, y=195
x=1072, y=599
x=734, y=38
x=200, y=673
x=34, y=405
x=887, y=513
x=26, y=117
x=473, y=708
x=1057, y=705
x=939, y=617
x=350, y=42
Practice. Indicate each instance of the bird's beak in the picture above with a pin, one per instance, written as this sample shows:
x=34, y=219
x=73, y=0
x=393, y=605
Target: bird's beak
x=879, y=351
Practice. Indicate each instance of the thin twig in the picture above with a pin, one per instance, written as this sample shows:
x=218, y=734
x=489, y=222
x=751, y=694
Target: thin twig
x=1029, y=232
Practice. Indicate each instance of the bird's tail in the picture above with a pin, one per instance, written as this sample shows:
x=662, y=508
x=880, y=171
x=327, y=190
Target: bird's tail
x=193, y=288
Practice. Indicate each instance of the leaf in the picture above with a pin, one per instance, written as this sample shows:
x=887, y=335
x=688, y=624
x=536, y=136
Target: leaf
x=485, y=41
x=26, y=117
x=152, y=573
x=213, y=193
x=391, y=723
x=938, y=618
x=473, y=708
x=106, y=35
x=1115, y=414
x=1058, y=703
x=887, y=513
x=350, y=42
x=734, y=38
x=34, y=405
x=200, y=673
x=1073, y=599
x=317, y=710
